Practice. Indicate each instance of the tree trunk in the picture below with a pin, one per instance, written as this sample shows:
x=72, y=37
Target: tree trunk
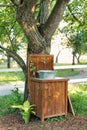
x=78, y=58
x=8, y=62
x=26, y=91
x=57, y=57
x=73, y=61
x=44, y=11
x=38, y=38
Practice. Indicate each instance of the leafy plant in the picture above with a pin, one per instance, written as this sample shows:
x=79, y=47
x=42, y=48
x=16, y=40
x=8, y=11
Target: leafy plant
x=26, y=110
x=32, y=68
x=58, y=118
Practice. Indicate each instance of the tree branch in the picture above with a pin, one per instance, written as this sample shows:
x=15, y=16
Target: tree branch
x=17, y=58
x=55, y=18
x=73, y=15
x=6, y=5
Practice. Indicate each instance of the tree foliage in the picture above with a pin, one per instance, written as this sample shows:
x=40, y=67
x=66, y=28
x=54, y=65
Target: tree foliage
x=75, y=29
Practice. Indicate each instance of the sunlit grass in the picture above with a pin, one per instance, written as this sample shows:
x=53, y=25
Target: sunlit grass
x=7, y=77
x=78, y=88
x=66, y=72
x=78, y=94
x=83, y=61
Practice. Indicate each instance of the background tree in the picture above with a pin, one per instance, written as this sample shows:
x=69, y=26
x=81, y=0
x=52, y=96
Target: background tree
x=75, y=29
x=11, y=35
x=76, y=41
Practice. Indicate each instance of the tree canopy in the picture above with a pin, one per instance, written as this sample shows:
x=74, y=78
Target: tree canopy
x=75, y=29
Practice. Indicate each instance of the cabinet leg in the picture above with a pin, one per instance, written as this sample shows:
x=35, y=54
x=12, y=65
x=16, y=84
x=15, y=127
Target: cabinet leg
x=42, y=119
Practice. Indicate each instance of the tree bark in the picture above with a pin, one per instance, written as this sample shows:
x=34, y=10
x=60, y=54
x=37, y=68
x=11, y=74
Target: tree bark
x=25, y=17
x=44, y=11
x=8, y=61
x=54, y=19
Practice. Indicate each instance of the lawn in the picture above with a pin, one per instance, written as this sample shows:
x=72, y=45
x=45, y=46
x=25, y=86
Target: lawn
x=67, y=72
x=78, y=94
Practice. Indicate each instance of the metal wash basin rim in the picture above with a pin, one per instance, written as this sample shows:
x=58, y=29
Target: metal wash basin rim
x=46, y=71
x=46, y=74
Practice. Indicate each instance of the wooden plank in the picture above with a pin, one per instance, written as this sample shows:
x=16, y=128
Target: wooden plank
x=70, y=107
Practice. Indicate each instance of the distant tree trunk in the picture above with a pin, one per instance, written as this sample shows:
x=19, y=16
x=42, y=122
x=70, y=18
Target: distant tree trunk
x=78, y=58
x=73, y=60
x=8, y=62
x=57, y=57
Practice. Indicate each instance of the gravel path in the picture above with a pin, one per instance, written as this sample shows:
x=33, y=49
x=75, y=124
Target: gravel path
x=5, y=89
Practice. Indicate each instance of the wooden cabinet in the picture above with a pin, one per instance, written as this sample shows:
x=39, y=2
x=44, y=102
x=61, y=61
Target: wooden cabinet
x=49, y=97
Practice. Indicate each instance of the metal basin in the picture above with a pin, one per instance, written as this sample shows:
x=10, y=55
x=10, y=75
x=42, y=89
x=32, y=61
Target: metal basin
x=46, y=74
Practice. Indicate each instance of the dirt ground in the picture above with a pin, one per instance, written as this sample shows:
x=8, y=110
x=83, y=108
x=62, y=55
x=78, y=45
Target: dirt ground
x=12, y=122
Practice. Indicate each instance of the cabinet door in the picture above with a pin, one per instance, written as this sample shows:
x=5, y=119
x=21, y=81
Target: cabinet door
x=47, y=99
x=60, y=97
x=54, y=98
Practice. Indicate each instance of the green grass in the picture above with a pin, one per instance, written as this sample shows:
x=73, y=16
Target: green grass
x=7, y=101
x=7, y=77
x=78, y=95
x=83, y=61
x=67, y=72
